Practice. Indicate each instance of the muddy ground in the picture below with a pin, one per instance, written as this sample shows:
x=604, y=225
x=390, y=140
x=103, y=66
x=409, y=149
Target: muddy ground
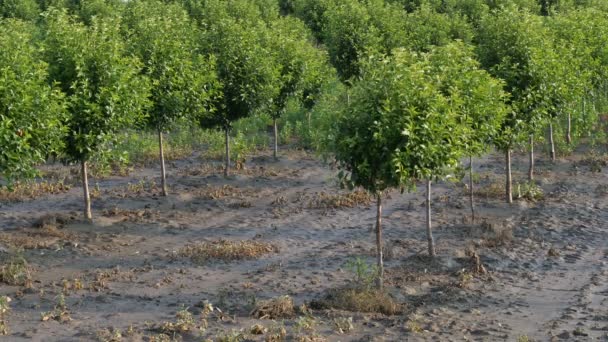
x=542, y=275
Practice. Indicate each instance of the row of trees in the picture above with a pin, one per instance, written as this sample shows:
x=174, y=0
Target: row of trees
x=426, y=82
x=413, y=116
x=151, y=63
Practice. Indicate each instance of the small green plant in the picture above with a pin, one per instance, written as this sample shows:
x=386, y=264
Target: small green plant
x=109, y=335
x=15, y=271
x=343, y=325
x=232, y=336
x=4, y=310
x=305, y=324
x=365, y=274
x=276, y=333
x=414, y=327
x=184, y=322
x=59, y=313
x=529, y=191
x=207, y=309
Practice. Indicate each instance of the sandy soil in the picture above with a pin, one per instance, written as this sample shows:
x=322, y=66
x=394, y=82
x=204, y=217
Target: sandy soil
x=546, y=261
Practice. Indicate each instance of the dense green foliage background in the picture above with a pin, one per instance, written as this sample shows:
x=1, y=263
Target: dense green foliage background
x=93, y=80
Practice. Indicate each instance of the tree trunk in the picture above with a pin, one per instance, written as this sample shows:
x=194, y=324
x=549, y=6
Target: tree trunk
x=276, y=139
x=227, y=142
x=509, y=182
x=569, y=129
x=308, y=115
x=531, y=169
x=163, y=174
x=380, y=279
x=471, y=194
x=429, y=231
x=87, y=196
x=551, y=142
x=585, y=114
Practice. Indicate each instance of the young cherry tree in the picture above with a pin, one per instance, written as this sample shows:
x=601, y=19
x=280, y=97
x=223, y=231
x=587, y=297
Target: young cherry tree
x=104, y=89
x=474, y=94
x=31, y=111
x=398, y=128
x=247, y=71
x=183, y=82
x=512, y=46
x=303, y=67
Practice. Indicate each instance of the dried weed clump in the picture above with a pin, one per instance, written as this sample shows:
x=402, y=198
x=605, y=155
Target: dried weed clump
x=324, y=200
x=492, y=190
x=497, y=234
x=275, y=308
x=227, y=250
x=184, y=322
x=15, y=270
x=20, y=192
x=358, y=300
x=43, y=238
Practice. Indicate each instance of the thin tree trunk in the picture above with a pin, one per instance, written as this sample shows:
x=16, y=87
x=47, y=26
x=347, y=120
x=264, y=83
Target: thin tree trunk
x=163, y=174
x=227, y=142
x=380, y=279
x=276, y=139
x=429, y=231
x=569, y=129
x=87, y=196
x=509, y=182
x=308, y=115
x=552, y=142
x=585, y=114
x=471, y=193
x=531, y=169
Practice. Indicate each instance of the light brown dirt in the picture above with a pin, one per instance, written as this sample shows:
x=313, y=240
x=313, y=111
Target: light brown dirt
x=133, y=278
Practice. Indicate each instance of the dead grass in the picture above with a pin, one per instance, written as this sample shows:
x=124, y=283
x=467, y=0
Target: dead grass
x=184, y=322
x=132, y=215
x=358, y=300
x=103, y=278
x=497, y=234
x=275, y=308
x=15, y=270
x=219, y=192
x=324, y=200
x=594, y=160
x=49, y=236
x=21, y=192
x=227, y=250
x=492, y=190
x=142, y=187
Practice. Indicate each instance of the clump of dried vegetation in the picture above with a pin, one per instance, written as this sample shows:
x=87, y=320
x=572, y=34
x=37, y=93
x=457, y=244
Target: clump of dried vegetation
x=184, y=322
x=218, y=192
x=4, y=310
x=324, y=200
x=594, y=160
x=60, y=312
x=496, y=234
x=275, y=308
x=530, y=191
x=357, y=299
x=109, y=335
x=45, y=233
x=360, y=295
x=15, y=270
x=20, y=192
x=492, y=189
x=226, y=250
